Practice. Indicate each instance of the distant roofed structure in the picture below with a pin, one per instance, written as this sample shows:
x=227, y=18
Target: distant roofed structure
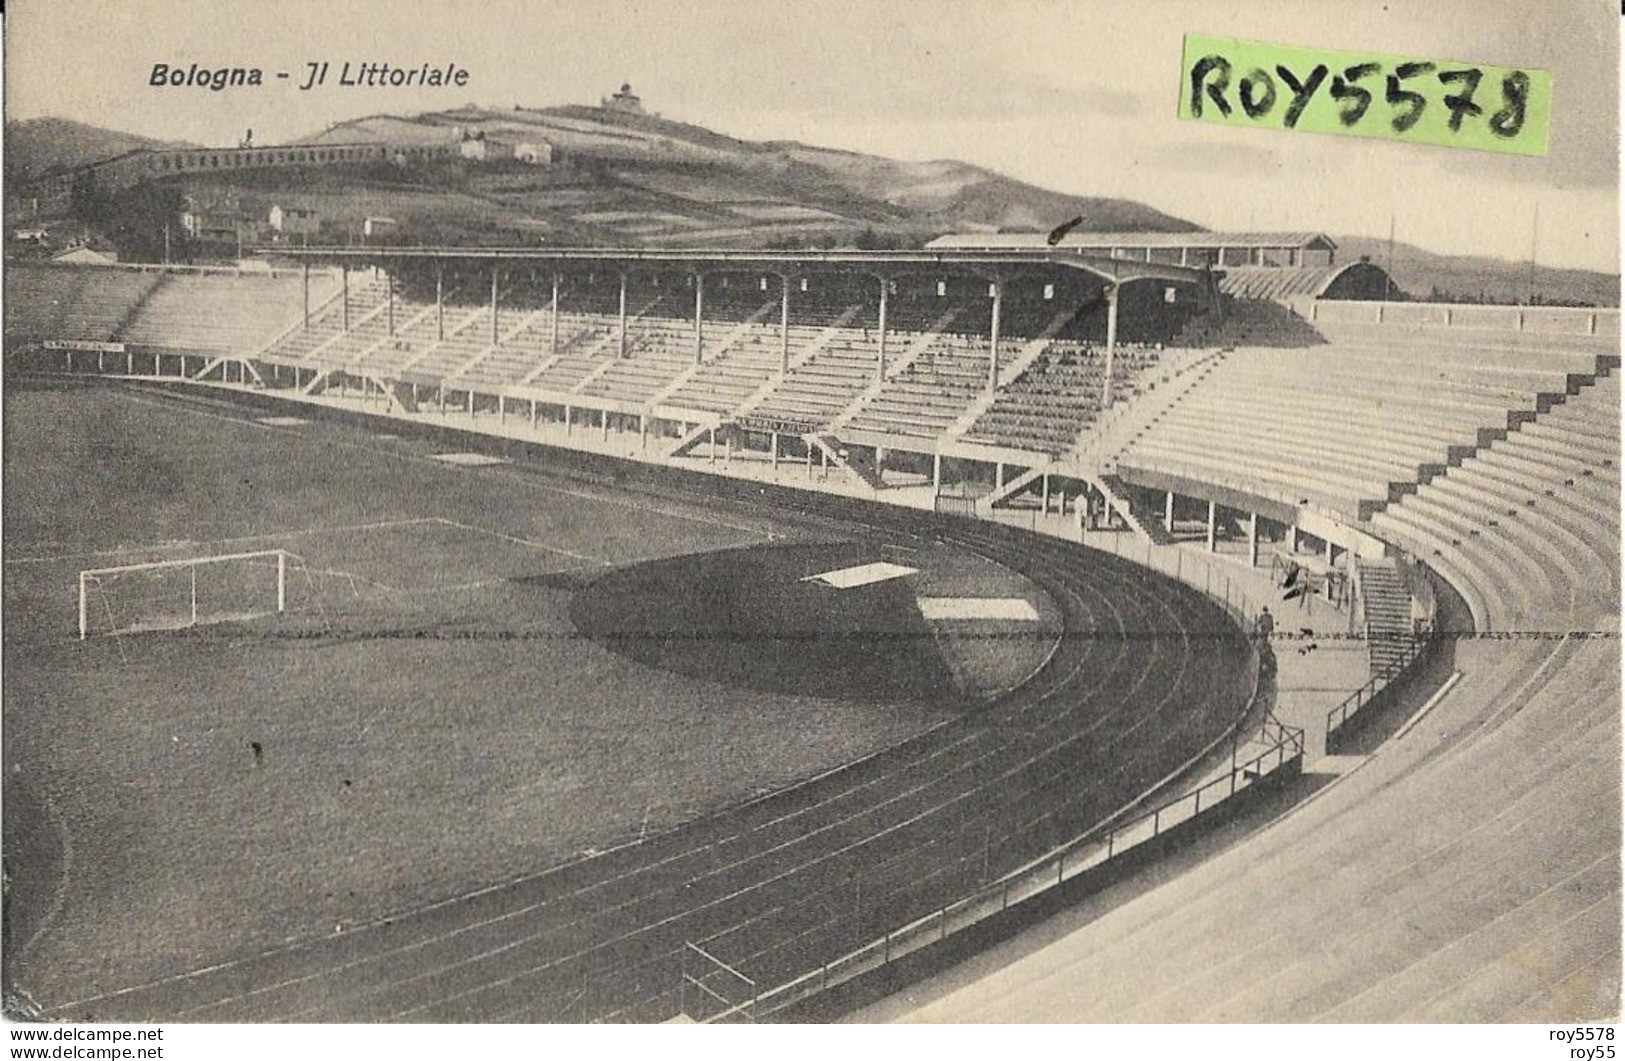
x=626, y=101
x=1218, y=249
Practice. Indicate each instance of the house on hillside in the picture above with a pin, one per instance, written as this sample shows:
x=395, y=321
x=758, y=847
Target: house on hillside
x=292, y=221
x=482, y=148
x=376, y=227
x=535, y=152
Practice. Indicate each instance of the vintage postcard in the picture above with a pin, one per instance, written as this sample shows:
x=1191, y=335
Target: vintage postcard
x=538, y=513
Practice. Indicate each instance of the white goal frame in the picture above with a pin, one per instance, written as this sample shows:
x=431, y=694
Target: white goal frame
x=90, y=577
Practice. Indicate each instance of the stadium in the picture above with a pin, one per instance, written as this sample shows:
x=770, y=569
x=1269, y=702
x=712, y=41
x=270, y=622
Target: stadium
x=545, y=634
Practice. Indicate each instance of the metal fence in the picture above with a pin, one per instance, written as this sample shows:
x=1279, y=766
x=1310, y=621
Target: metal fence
x=1082, y=855
x=1413, y=651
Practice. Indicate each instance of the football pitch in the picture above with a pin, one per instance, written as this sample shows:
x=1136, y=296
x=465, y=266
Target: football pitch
x=429, y=717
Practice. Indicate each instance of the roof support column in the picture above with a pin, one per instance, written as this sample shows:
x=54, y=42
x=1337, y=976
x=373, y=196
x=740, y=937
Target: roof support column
x=1168, y=513
x=621, y=331
x=880, y=362
x=1212, y=526
x=1111, y=345
x=699, y=318
x=306, y=270
x=553, y=319
x=493, y=305
x=439, y=301
x=389, y=302
x=1252, y=539
x=784, y=326
x=344, y=282
x=993, y=337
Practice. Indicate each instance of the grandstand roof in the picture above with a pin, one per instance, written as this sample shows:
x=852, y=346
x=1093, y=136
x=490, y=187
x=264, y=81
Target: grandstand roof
x=1278, y=282
x=987, y=262
x=1108, y=240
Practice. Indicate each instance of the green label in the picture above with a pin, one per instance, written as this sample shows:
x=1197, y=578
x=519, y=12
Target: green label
x=1389, y=97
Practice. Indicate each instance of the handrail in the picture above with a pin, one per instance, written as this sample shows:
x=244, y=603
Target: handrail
x=1412, y=652
x=1086, y=852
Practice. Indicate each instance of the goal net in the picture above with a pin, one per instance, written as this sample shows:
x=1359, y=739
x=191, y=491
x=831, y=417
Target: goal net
x=176, y=594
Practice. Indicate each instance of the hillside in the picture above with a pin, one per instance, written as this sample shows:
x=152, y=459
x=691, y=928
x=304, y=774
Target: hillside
x=39, y=145
x=1470, y=278
x=659, y=181
x=628, y=179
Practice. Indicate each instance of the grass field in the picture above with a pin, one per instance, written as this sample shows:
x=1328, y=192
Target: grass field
x=428, y=719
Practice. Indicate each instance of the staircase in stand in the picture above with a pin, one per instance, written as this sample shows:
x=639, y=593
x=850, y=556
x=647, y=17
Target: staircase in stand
x=1120, y=496
x=1387, y=613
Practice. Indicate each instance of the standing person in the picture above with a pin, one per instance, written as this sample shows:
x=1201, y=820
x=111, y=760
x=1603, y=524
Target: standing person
x=1264, y=625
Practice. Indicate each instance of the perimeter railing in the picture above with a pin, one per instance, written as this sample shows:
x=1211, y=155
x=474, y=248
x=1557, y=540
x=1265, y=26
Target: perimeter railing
x=1412, y=652
x=1275, y=752
x=1086, y=854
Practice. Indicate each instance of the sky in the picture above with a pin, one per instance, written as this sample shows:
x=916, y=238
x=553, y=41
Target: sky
x=1078, y=96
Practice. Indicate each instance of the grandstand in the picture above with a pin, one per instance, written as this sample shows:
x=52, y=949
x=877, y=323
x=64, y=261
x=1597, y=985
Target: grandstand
x=1216, y=420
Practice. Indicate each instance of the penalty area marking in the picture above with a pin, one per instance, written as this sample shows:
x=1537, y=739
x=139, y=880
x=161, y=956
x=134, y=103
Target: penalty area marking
x=283, y=421
x=1015, y=609
x=862, y=575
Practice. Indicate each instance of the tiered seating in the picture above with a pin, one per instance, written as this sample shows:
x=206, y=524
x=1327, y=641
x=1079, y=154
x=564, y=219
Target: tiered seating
x=1058, y=396
x=72, y=302
x=309, y=345
x=721, y=384
x=468, y=333
x=820, y=388
x=1528, y=528
x=584, y=352
x=225, y=313
x=519, y=352
x=931, y=392
x=658, y=351
x=1341, y=425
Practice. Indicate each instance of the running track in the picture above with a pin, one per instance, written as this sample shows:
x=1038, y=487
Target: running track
x=1147, y=672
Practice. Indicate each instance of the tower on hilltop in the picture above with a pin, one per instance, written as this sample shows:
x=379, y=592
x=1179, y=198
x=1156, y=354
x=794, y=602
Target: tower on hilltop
x=626, y=101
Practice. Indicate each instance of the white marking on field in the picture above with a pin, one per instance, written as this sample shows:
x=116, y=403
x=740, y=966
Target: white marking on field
x=862, y=575
x=1015, y=609
x=470, y=460
x=187, y=543
x=531, y=543
x=283, y=421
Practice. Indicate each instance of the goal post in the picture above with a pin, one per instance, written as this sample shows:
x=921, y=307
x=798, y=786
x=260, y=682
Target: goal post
x=176, y=594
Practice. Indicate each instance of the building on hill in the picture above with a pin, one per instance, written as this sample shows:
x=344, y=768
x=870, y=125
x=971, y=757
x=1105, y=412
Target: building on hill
x=485, y=149
x=291, y=221
x=55, y=191
x=377, y=227
x=212, y=224
x=535, y=152
x=626, y=101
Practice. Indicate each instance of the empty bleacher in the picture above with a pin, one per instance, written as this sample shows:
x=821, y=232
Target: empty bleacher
x=658, y=350
x=1343, y=428
x=1050, y=404
x=326, y=342
x=723, y=382
x=86, y=303
x=219, y=312
x=1528, y=527
x=930, y=392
